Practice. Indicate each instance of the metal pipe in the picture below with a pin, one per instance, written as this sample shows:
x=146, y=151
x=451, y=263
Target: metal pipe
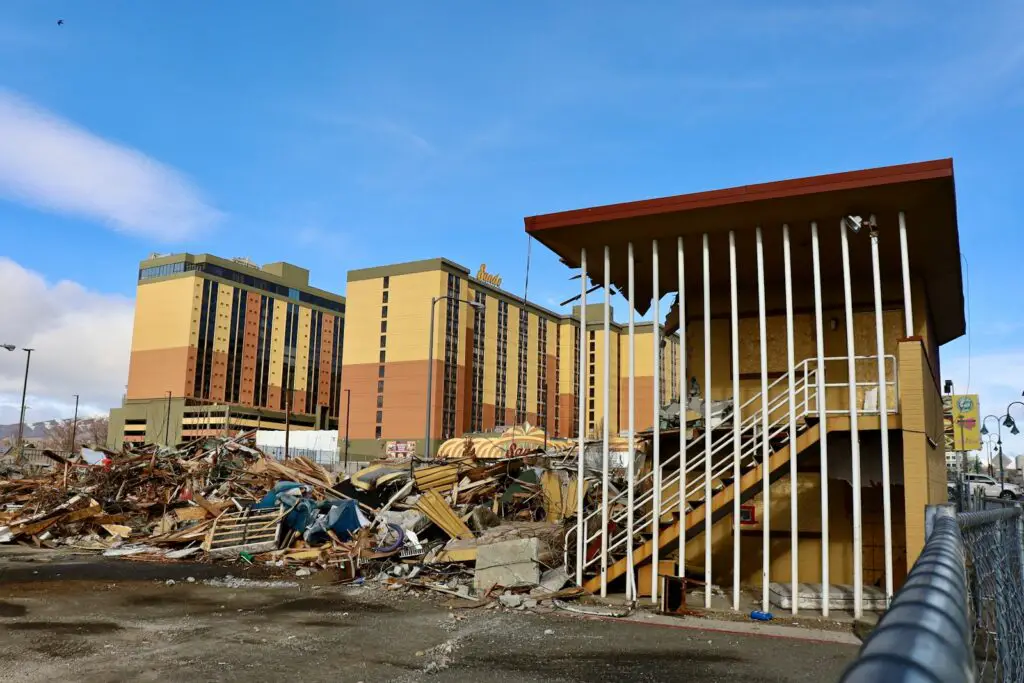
x=765, y=453
x=630, y=490
x=605, y=398
x=851, y=369
x=883, y=416
x=581, y=531
x=430, y=388
x=908, y=305
x=791, y=371
x=707, y=423
x=683, y=402
x=74, y=429
x=348, y=408
x=24, y=393
x=656, y=329
x=737, y=419
x=819, y=335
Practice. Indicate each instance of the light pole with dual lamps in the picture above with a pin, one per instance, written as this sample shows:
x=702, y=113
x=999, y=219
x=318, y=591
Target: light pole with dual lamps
x=999, y=445
x=430, y=368
x=24, y=390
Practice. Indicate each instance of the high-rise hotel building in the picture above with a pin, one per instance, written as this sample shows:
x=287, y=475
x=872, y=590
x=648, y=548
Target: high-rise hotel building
x=222, y=344
x=501, y=361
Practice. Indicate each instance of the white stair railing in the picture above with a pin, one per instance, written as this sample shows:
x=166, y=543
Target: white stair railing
x=806, y=394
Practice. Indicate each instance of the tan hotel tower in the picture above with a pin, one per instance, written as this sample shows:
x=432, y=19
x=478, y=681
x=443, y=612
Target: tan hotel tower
x=502, y=363
x=216, y=342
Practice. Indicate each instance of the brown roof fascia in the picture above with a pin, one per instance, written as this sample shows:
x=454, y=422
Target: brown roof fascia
x=833, y=182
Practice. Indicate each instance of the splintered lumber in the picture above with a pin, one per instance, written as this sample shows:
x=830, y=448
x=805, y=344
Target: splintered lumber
x=253, y=531
x=192, y=514
x=440, y=513
x=206, y=505
x=436, y=477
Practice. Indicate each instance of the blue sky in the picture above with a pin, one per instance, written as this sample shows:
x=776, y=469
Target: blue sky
x=341, y=135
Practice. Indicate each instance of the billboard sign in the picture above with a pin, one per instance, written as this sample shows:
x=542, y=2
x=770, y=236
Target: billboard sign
x=965, y=422
x=400, y=449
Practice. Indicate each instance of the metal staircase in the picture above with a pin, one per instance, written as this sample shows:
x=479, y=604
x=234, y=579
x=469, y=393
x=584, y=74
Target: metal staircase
x=693, y=476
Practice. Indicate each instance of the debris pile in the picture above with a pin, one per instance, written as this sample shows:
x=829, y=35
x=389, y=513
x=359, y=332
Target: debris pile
x=487, y=531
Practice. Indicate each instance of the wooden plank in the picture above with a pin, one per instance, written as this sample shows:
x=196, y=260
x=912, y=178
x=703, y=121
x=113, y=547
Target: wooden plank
x=440, y=513
x=552, y=487
x=190, y=514
x=206, y=505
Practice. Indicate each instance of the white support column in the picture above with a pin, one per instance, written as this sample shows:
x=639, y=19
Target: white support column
x=765, y=450
x=794, y=541
x=908, y=305
x=883, y=416
x=683, y=391
x=707, y=424
x=851, y=369
x=737, y=419
x=630, y=490
x=656, y=478
x=581, y=530
x=820, y=402
x=605, y=397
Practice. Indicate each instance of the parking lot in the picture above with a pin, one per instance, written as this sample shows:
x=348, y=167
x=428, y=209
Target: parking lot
x=114, y=627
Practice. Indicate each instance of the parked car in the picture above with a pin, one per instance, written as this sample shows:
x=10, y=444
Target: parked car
x=992, y=488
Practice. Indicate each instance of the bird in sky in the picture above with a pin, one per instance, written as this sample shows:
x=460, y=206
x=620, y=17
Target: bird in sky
x=60, y=22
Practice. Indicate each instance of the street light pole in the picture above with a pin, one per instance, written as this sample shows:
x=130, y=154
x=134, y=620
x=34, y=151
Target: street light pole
x=348, y=407
x=999, y=442
x=24, y=390
x=430, y=369
x=74, y=427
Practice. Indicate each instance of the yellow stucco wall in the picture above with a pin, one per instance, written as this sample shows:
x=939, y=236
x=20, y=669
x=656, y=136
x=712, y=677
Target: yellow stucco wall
x=277, y=343
x=164, y=314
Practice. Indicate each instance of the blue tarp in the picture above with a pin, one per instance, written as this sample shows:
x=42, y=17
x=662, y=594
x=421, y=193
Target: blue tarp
x=309, y=518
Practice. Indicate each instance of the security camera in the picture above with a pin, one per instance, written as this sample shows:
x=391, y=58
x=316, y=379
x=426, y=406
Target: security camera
x=853, y=223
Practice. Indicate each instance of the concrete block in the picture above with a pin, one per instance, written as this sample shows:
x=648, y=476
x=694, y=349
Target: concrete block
x=507, y=563
x=809, y=597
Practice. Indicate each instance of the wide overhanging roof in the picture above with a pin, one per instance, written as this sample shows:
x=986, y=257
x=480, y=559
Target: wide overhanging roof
x=924, y=191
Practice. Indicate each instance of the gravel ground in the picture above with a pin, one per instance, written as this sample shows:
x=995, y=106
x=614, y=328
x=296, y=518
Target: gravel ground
x=151, y=631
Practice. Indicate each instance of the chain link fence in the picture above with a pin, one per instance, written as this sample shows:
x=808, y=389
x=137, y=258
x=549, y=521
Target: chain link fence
x=960, y=614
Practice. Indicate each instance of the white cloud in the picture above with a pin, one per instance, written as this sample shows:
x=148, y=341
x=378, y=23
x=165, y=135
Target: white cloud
x=998, y=379
x=54, y=165
x=81, y=340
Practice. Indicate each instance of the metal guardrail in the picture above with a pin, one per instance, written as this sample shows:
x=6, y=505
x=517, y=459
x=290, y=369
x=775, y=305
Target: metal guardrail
x=960, y=615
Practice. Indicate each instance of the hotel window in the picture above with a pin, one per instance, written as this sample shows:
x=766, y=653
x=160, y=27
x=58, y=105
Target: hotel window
x=380, y=401
x=576, y=389
x=380, y=371
x=380, y=386
x=451, y=359
x=377, y=432
x=316, y=325
x=380, y=417
x=383, y=311
x=204, y=347
x=476, y=410
x=524, y=343
x=501, y=364
x=383, y=340
x=336, y=353
x=558, y=377
x=383, y=326
x=382, y=354
x=387, y=281
x=384, y=298
x=542, y=373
